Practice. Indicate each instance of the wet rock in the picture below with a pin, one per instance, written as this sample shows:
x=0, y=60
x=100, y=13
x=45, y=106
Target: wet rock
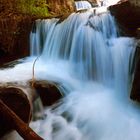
x=135, y=92
x=138, y=34
x=127, y=16
x=135, y=2
x=48, y=92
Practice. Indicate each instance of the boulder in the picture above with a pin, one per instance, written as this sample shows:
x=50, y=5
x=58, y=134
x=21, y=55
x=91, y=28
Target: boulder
x=48, y=92
x=127, y=16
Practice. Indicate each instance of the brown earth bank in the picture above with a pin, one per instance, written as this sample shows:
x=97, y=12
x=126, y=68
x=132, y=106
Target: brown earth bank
x=14, y=36
x=14, y=32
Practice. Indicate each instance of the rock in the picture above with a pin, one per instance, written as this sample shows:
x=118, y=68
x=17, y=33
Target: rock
x=138, y=34
x=48, y=92
x=135, y=92
x=135, y=2
x=127, y=17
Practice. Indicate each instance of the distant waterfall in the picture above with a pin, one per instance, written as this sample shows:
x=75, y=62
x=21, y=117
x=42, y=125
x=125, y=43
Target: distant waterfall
x=81, y=5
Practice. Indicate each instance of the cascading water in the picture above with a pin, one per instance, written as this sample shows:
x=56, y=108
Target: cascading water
x=81, y=5
x=86, y=55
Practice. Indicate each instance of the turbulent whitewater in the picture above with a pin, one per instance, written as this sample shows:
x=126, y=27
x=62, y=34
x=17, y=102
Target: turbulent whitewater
x=93, y=63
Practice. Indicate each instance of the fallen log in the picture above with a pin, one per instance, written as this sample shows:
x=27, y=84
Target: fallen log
x=18, y=102
x=22, y=128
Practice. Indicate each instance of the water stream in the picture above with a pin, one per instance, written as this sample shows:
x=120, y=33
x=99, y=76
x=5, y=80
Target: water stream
x=86, y=54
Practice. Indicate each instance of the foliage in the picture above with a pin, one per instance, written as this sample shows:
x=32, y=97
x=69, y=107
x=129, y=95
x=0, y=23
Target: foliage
x=33, y=7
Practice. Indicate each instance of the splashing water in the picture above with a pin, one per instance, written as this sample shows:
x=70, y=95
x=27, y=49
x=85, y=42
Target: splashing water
x=84, y=4
x=107, y=2
x=86, y=55
x=111, y=2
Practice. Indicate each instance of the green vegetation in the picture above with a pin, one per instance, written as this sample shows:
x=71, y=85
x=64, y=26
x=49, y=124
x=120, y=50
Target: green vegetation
x=33, y=7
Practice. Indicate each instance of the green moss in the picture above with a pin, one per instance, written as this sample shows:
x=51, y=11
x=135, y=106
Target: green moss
x=33, y=7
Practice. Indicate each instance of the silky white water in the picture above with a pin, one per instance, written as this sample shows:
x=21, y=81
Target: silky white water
x=83, y=4
x=85, y=54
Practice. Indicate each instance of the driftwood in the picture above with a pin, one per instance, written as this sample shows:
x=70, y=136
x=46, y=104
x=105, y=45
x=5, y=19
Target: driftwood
x=15, y=122
x=16, y=100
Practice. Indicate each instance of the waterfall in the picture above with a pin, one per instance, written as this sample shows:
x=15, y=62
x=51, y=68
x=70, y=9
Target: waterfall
x=38, y=36
x=86, y=54
x=82, y=5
